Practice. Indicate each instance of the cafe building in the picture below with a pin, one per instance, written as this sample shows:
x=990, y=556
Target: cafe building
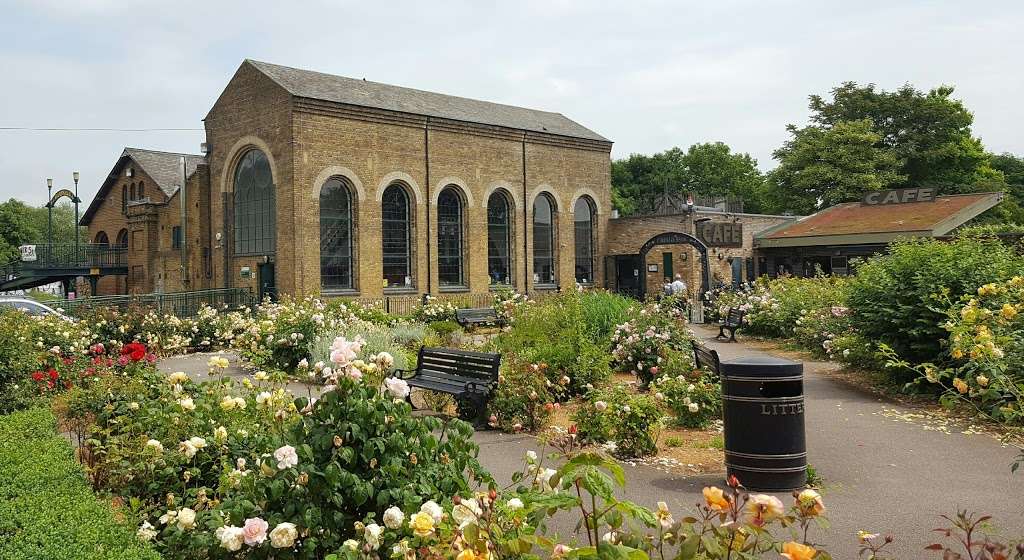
x=830, y=241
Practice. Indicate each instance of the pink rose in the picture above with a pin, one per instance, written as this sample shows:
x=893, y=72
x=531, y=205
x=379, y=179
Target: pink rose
x=254, y=531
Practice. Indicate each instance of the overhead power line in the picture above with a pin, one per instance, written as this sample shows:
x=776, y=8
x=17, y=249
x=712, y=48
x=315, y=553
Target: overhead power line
x=65, y=129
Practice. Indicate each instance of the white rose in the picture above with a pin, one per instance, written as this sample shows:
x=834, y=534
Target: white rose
x=286, y=457
x=531, y=456
x=284, y=535
x=186, y=519
x=693, y=407
x=393, y=518
x=146, y=532
x=372, y=535
x=351, y=544
x=601, y=406
x=397, y=387
x=187, y=404
x=433, y=510
x=515, y=504
x=156, y=445
x=177, y=378
x=230, y=537
x=262, y=398
x=221, y=434
x=466, y=513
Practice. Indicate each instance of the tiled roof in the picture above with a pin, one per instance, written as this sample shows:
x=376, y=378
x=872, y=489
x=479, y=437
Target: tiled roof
x=350, y=91
x=163, y=167
x=938, y=217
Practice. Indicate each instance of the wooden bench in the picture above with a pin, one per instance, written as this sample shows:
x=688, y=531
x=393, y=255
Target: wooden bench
x=704, y=357
x=470, y=377
x=472, y=317
x=733, y=320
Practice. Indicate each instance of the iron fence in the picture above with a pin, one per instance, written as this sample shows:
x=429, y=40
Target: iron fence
x=407, y=304
x=181, y=304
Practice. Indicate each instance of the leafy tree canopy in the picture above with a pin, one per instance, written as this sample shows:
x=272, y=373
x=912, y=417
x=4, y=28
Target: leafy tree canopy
x=708, y=169
x=22, y=224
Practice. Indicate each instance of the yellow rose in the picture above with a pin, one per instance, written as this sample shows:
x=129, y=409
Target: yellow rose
x=1008, y=311
x=960, y=385
x=797, y=551
x=716, y=499
x=957, y=353
x=810, y=503
x=982, y=380
x=470, y=554
x=422, y=524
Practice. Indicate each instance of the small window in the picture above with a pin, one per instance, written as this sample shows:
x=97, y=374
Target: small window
x=131, y=191
x=176, y=237
x=666, y=265
x=142, y=190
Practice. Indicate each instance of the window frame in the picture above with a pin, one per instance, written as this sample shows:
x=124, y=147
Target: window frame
x=451, y=238
x=407, y=225
x=347, y=221
x=254, y=228
x=591, y=242
x=552, y=241
x=509, y=241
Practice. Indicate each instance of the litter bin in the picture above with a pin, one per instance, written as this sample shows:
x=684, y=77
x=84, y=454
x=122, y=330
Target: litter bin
x=763, y=412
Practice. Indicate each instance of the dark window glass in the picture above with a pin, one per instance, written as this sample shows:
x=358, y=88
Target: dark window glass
x=142, y=190
x=396, y=236
x=335, y=235
x=255, y=205
x=449, y=238
x=543, y=241
x=101, y=239
x=122, y=238
x=124, y=199
x=176, y=237
x=499, y=239
x=666, y=265
x=583, y=215
x=132, y=191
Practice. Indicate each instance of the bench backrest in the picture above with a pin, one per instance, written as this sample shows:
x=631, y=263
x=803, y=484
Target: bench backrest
x=704, y=357
x=735, y=316
x=459, y=363
x=476, y=314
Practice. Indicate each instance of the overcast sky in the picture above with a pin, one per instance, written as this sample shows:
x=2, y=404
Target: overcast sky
x=648, y=75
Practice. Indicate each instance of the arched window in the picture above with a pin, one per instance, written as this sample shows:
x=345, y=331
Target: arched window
x=336, y=235
x=499, y=238
x=396, y=236
x=142, y=190
x=101, y=239
x=449, y=238
x=122, y=239
x=124, y=199
x=544, y=240
x=132, y=191
x=255, y=205
x=583, y=215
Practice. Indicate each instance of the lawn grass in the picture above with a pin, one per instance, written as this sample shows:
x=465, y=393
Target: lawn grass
x=47, y=508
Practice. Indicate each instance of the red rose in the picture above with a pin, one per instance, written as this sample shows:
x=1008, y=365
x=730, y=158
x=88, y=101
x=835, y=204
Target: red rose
x=38, y=376
x=135, y=351
x=52, y=373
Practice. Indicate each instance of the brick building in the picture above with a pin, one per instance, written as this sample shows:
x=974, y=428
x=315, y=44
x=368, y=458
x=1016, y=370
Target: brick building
x=314, y=183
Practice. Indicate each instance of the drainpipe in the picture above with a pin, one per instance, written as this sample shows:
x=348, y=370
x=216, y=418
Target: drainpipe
x=526, y=266
x=426, y=167
x=183, y=195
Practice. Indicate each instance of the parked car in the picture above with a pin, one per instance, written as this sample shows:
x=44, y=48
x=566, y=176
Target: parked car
x=31, y=307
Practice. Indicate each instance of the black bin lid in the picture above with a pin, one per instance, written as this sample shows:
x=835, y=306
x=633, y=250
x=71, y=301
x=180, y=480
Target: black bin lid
x=761, y=366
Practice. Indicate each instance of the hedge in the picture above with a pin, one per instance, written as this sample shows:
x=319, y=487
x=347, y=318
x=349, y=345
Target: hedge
x=47, y=508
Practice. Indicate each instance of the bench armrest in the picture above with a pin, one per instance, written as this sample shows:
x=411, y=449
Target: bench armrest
x=405, y=373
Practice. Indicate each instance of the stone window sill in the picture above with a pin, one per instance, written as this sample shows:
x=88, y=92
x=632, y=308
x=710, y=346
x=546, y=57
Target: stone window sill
x=452, y=289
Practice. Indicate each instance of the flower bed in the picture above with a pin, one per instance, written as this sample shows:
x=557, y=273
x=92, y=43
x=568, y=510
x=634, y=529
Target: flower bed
x=48, y=509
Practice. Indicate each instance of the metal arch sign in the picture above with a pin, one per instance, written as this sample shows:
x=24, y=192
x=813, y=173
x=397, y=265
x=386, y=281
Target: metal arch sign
x=61, y=194
x=678, y=238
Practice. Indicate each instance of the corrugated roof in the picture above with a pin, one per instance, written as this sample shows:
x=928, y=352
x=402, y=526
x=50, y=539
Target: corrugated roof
x=939, y=217
x=362, y=93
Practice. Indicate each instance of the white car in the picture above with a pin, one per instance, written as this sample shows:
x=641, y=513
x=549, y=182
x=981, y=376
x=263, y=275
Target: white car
x=31, y=307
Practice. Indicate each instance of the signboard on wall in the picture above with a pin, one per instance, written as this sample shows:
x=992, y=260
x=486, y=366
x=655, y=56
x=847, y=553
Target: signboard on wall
x=898, y=196
x=28, y=253
x=721, y=234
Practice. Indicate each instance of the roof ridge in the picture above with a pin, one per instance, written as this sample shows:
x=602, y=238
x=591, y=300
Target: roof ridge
x=427, y=91
x=163, y=152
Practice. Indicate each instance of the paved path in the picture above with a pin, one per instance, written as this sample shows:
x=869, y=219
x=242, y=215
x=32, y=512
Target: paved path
x=881, y=473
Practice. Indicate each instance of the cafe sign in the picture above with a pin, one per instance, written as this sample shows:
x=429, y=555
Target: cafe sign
x=721, y=234
x=898, y=196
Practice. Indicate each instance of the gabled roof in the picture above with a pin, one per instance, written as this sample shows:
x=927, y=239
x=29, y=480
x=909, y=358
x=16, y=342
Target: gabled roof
x=362, y=93
x=856, y=223
x=163, y=167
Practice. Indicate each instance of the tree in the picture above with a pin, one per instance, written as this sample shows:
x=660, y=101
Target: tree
x=930, y=134
x=822, y=166
x=22, y=224
x=707, y=168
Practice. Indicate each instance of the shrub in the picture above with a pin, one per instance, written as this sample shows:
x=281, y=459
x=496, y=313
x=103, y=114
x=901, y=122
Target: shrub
x=627, y=424
x=642, y=344
x=410, y=335
x=444, y=329
x=695, y=400
x=895, y=297
x=524, y=399
x=48, y=510
x=18, y=358
x=376, y=339
x=602, y=311
x=555, y=332
x=434, y=309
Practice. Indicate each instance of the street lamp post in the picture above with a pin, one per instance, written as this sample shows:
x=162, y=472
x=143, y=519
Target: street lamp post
x=49, y=216
x=75, y=176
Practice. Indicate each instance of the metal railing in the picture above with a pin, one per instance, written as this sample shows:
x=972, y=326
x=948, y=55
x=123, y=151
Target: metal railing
x=69, y=256
x=406, y=304
x=181, y=304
